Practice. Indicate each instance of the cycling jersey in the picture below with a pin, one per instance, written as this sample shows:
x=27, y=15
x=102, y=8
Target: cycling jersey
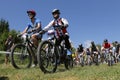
x=106, y=45
x=56, y=24
x=34, y=25
x=93, y=48
x=88, y=52
x=117, y=48
x=80, y=49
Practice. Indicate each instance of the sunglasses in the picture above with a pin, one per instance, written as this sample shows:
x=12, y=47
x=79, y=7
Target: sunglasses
x=29, y=14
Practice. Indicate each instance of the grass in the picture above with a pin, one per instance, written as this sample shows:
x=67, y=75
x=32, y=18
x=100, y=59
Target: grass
x=101, y=72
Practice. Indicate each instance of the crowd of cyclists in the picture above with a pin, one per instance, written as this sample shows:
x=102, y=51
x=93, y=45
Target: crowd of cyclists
x=106, y=53
x=58, y=25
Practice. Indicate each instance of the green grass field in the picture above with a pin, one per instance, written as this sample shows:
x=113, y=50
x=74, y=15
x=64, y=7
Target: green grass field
x=101, y=72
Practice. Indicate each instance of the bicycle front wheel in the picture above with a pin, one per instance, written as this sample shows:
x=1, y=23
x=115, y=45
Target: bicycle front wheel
x=20, y=56
x=46, y=57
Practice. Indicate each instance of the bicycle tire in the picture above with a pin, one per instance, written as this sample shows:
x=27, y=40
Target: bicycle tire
x=82, y=61
x=20, y=56
x=110, y=60
x=47, y=62
x=96, y=59
x=68, y=62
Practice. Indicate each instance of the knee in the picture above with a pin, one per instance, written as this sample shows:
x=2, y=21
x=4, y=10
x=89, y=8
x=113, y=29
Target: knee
x=33, y=36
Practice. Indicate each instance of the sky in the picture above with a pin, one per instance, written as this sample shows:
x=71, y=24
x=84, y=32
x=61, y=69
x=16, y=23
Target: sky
x=89, y=20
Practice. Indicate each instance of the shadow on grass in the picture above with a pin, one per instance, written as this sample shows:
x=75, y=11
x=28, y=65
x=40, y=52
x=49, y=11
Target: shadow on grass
x=4, y=78
x=2, y=61
x=61, y=70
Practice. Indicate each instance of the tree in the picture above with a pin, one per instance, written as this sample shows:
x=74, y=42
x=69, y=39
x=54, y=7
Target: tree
x=14, y=34
x=4, y=33
x=4, y=30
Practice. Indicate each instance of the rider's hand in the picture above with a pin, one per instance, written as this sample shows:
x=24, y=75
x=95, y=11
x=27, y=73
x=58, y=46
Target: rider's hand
x=33, y=30
x=29, y=32
x=42, y=32
x=19, y=35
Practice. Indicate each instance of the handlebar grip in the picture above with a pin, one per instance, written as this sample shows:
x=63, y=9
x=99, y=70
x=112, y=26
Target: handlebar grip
x=29, y=32
x=42, y=32
x=19, y=35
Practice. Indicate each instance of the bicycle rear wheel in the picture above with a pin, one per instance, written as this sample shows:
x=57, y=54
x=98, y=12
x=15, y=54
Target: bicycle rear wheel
x=68, y=62
x=47, y=59
x=21, y=57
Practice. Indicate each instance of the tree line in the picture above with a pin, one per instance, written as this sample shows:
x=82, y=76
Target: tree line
x=5, y=32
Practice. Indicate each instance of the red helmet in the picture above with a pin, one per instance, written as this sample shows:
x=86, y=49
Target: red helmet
x=31, y=11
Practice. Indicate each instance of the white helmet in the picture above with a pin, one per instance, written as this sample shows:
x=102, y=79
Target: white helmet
x=56, y=11
x=50, y=34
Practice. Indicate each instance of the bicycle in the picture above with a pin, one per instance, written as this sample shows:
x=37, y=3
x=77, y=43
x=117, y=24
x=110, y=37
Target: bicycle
x=88, y=57
x=50, y=55
x=95, y=55
x=109, y=56
x=81, y=58
x=23, y=53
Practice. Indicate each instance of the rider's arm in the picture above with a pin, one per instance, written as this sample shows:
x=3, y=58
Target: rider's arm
x=65, y=22
x=25, y=30
x=102, y=48
x=97, y=48
x=90, y=48
x=49, y=26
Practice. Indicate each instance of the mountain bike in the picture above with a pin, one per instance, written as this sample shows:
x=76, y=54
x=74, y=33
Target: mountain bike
x=22, y=54
x=109, y=56
x=50, y=55
x=88, y=57
x=95, y=55
x=82, y=58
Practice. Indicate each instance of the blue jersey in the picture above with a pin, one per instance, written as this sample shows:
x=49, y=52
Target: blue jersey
x=33, y=26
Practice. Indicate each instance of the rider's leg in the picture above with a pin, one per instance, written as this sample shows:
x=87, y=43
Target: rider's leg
x=6, y=58
x=67, y=42
x=34, y=40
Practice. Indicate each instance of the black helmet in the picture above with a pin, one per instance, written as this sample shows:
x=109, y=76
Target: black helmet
x=56, y=11
x=116, y=42
x=92, y=42
x=105, y=40
x=80, y=45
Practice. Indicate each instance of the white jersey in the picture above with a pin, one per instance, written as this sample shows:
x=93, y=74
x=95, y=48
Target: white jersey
x=65, y=23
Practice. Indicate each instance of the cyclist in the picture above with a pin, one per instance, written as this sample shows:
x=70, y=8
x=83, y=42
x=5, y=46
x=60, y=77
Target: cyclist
x=117, y=51
x=60, y=26
x=34, y=26
x=80, y=53
x=106, y=46
x=88, y=56
x=94, y=51
x=8, y=44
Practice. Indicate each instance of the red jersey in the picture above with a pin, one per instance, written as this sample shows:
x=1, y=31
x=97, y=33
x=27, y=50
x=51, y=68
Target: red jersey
x=107, y=45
